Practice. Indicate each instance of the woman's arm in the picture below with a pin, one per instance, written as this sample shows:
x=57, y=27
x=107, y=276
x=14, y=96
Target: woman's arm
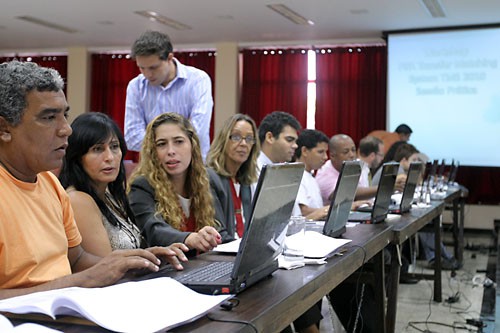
x=156, y=231
x=88, y=218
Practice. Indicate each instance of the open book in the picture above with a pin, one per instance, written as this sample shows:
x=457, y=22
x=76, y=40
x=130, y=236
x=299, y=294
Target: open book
x=7, y=327
x=139, y=306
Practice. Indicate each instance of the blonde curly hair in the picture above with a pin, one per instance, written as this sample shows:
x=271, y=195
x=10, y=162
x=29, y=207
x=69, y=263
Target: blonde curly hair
x=216, y=159
x=197, y=183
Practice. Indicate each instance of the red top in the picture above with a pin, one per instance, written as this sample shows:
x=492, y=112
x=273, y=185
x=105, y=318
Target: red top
x=240, y=228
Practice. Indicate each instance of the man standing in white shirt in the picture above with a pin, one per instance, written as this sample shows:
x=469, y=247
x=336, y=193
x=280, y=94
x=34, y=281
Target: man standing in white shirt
x=165, y=85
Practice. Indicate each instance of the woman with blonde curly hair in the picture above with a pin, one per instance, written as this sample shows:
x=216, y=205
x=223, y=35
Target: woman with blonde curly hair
x=232, y=162
x=169, y=191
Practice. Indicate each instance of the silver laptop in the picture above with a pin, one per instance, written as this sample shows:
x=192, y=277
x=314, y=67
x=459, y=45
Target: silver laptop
x=262, y=241
x=340, y=206
x=414, y=172
x=382, y=198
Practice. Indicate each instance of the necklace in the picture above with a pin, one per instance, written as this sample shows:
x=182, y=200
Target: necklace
x=124, y=223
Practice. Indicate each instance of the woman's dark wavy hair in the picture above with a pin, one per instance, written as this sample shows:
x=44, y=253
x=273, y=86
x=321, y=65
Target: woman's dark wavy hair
x=90, y=129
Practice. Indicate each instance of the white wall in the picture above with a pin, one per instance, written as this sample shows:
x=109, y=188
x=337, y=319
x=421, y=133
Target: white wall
x=476, y=216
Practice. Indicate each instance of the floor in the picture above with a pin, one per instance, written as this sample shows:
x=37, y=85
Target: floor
x=462, y=295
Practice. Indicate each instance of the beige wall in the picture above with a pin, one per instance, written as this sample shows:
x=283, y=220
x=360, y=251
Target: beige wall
x=477, y=216
x=78, y=85
x=226, y=83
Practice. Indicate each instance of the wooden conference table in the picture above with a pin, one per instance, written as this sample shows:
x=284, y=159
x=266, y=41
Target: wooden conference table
x=275, y=302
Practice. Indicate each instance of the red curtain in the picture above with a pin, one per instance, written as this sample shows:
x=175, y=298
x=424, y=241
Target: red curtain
x=58, y=62
x=351, y=90
x=111, y=74
x=274, y=80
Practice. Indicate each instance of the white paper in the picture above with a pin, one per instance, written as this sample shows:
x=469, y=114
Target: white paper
x=318, y=245
x=139, y=306
x=7, y=327
x=230, y=247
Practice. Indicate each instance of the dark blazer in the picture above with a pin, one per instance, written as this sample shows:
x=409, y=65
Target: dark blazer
x=155, y=230
x=223, y=204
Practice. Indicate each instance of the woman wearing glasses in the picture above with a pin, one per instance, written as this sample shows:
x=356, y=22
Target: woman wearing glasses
x=232, y=162
x=169, y=191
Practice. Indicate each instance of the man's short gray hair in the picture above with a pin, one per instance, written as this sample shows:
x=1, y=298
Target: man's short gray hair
x=17, y=79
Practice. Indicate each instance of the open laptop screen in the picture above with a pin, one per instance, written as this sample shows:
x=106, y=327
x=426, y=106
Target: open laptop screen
x=384, y=191
x=343, y=197
x=272, y=207
x=414, y=172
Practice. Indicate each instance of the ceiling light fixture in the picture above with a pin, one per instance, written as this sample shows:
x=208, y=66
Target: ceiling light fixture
x=154, y=16
x=47, y=24
x=434, y=7
x=290, y=14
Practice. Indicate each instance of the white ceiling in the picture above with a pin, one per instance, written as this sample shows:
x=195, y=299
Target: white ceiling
x=112, y=24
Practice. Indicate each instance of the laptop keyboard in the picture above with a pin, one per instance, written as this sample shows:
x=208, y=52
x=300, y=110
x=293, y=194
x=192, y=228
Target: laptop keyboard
x=210, y=272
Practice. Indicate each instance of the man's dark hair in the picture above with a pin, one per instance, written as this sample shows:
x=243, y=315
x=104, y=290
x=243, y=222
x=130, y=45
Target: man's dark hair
x=405, y=151
x=309, y=138
x=403, y=129
x=152, y=43
x=369, y=144
x=275, y=122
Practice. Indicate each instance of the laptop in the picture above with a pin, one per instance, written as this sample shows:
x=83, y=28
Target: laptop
x=431, y=176
x=412, y=178
x=442, y=167
x=382, y=198
x=262, y=241
x=453, y=173
x=340, y=206
x=407, y=196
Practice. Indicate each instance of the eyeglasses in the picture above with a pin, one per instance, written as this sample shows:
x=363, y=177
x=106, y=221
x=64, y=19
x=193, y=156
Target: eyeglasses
x=237, y=138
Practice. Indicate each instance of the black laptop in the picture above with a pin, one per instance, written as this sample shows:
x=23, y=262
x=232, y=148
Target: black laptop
x=414, y=172
x=340, y=206
x=453, y=173
x=382, y=198
x=262, y=241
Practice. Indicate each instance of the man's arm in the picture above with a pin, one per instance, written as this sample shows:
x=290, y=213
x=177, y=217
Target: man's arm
x=363, y=193
x=105, y=272
x=156, y=230
x=135, y=124
x=201, y=113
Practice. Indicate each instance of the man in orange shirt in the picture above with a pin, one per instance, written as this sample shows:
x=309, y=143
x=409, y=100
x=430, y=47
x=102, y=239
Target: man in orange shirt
x=39, y=241
x=402, y=133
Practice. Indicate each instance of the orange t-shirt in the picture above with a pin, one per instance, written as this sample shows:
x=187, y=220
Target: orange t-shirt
x=388, y=138
x=37, y=227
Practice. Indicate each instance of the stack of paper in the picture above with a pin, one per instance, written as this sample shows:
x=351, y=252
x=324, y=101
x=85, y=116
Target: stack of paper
x=142, y=306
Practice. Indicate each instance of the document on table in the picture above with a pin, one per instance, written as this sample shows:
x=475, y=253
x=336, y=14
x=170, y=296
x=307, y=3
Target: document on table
x=316, y=245
x=138, y=306
x=7, y=327
x=319, y=246
x=230, y=247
